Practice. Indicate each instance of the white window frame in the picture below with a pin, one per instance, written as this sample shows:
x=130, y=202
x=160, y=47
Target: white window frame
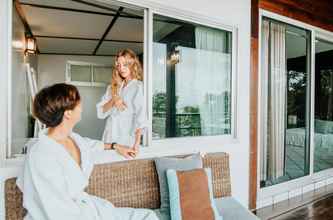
x=5, y=66
x=213, y=24
x=150, y=8
x=92, y=83
x=268, y=193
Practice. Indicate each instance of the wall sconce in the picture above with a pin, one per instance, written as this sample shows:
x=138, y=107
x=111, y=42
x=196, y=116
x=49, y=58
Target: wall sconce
x=175, y=57
x=30, y=45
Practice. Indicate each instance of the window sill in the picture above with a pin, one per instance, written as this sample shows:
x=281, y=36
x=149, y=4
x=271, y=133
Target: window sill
x=159, y=148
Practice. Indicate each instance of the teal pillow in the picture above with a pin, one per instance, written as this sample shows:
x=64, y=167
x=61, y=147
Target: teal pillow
x=163, y=164
x=191, y=195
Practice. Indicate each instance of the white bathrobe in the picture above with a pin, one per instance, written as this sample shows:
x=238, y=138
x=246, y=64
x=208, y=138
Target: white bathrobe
x=53, y=185
x=120, y=126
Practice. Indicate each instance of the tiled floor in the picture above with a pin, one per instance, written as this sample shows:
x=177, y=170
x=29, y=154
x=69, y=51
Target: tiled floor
x=317, y=210
x=314, y=205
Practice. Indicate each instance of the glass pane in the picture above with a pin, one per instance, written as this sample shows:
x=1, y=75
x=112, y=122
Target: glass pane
x=323, y=138
x=89, y=126
x=191, y=79
x=22, y=122
x=285, y=129
x=102, y=74
x=80, y=73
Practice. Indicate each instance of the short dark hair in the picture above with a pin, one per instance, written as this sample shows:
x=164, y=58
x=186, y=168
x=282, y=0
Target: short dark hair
x=51, y=102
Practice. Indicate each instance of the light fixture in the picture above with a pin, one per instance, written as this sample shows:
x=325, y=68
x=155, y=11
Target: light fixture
x=30, y=45
x=174, y=57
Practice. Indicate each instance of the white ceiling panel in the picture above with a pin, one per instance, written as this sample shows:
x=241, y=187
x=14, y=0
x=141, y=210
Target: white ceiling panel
x=65, y=23
x=323, y=46
x=52, y=45
x=136, y=12
x=70, y=4
x=127, y=29
x=162, y=29
x=295, y=46
x=109, y=47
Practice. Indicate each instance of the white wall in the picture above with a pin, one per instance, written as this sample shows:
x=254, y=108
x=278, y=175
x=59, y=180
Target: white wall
x=235, y=13
x=52, y=69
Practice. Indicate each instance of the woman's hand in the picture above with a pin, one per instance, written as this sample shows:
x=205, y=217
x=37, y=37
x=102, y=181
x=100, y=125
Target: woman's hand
x=125, y=151
x=136, y=145
x=119, y=103
x=135, y=148
x=107, y=106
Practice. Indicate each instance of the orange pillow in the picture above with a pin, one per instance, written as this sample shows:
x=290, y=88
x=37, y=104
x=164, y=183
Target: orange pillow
x=191, y=196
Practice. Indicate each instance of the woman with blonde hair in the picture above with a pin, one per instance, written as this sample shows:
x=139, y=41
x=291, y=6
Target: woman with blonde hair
x=123, y=104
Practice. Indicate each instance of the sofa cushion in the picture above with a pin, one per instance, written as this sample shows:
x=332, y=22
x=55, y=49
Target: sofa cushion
x=107, y=181
x=231, y=209
x=164, y=163
x=191, y=195
x=227, y=207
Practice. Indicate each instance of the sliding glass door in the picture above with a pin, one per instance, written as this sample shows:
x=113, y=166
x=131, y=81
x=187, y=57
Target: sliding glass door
x=285, y=103
x=323, y=130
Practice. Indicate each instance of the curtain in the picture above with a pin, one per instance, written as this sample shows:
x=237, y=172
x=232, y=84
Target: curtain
x=274, y=99
x=213, y=76
x=264, y=98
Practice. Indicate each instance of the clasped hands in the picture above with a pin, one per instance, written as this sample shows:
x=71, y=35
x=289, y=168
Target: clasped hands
x=118, y=103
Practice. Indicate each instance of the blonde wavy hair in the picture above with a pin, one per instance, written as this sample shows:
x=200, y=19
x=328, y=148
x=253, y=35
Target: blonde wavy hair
x=134, y=66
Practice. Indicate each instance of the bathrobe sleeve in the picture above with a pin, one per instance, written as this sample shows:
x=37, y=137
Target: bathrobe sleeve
x=99, y=106
x=91, y=144
x=139, y=109
x=94, y=145
x=45, y=189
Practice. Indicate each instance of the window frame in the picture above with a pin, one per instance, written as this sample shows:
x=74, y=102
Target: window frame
x=92, y=83
x=234, y=76
x=150, y=8
x=266, y=195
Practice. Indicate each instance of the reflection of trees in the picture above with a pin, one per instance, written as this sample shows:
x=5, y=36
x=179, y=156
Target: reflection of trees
x=189, y=118
x=297, y=82
x=187, y=122
x=159, y=102
x=325, y=104
x=159, y=114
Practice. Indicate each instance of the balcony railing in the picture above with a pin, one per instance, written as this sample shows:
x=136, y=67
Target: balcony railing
x=187, y=124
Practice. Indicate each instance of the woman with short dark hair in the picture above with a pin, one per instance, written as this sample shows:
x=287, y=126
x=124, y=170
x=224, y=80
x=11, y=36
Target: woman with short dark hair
x=58, y=165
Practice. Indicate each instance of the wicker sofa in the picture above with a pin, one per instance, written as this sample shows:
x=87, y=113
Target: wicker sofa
x=135, y=184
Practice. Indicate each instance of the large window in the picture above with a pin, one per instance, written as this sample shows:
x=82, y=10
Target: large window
x=285, y=88
x=323, y=137
x=188, y=68
x=191, y=79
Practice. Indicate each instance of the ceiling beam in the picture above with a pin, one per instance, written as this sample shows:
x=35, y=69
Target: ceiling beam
x=84, y=38
x=79, y=10
x=77, y=54
x=115, y=18
x=101, y=7
x=22, y=17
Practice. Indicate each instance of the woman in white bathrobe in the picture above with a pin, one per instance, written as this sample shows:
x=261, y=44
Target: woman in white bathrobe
x=58, y=165
x=123, y=104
